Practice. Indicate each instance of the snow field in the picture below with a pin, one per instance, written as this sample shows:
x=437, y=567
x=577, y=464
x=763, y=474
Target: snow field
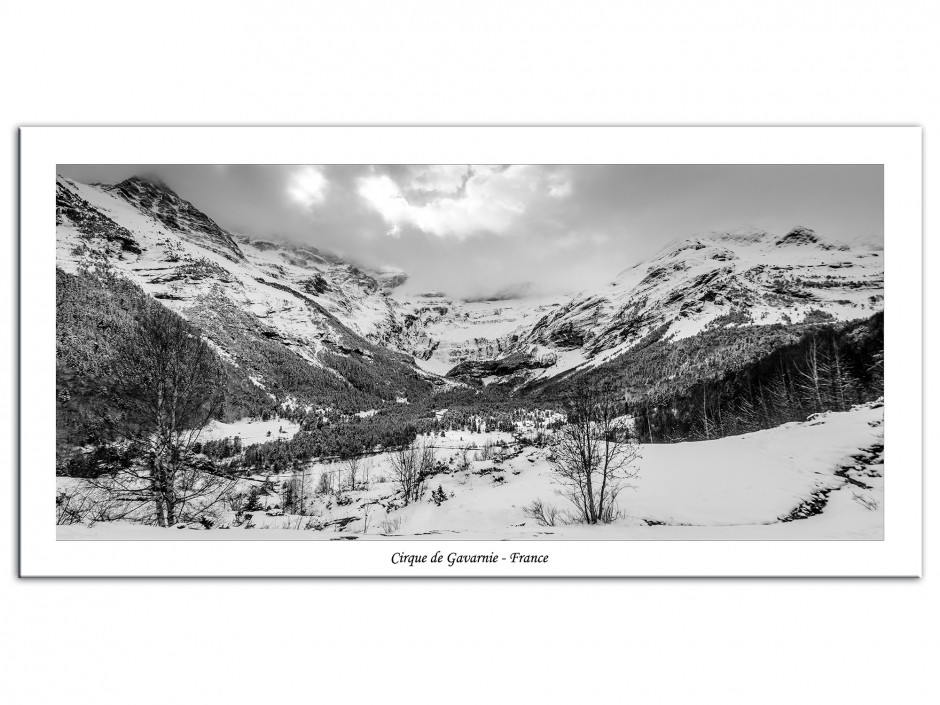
x=733, y=488
x=251, y=431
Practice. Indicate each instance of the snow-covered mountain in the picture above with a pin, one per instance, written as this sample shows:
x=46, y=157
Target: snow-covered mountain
x=237, y=288
x=742, y=277
x=179, y=254
x=442, y=332
x=313, y=302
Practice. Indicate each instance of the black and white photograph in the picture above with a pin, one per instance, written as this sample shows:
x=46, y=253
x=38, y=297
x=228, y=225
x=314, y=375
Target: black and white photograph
x=597, y=352
x=476, y=352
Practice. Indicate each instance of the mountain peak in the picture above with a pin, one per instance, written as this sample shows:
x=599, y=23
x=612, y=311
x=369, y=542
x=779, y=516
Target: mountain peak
x=744, y=235
x=137, y=185
x=752, y=236
x=799, y=236
x=148, y=179
x=151, y=196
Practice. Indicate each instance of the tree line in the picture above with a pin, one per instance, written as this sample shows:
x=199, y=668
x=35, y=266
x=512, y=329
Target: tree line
x=829, y=367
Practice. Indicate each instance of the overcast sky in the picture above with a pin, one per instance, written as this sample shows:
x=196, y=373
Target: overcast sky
x=477, y=230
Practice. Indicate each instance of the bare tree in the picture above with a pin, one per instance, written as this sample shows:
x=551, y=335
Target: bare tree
x=705, y=410
x=877, y=369
x=353, y=464
x=292, y=495
x=811, y=376
x=411, y=465
x=594, y=455
x=840, y=383
x=324, y=485
x=487, y=451
x=366, y=472
x=169, y=385
x=463, y=459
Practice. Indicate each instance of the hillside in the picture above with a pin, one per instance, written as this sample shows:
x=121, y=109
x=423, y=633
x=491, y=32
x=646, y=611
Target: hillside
x=295, y=325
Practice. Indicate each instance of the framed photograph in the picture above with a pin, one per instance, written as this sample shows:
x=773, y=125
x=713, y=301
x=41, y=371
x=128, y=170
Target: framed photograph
x=471, y=351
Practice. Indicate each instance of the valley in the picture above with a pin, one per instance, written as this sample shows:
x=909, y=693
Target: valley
x=719, y=350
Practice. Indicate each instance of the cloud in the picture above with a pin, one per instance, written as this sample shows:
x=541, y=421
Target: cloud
x=575, y=240
x=559, y=187
x=464, y=201
x=441, y=179
x=307, y=186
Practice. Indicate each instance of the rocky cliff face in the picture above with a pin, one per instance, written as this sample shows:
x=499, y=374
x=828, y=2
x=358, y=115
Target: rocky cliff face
x=442, y=332
x=175, y=214
x=72, y=211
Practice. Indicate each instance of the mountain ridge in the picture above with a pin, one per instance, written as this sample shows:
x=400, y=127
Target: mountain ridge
x=316, y=303
x=729, y=278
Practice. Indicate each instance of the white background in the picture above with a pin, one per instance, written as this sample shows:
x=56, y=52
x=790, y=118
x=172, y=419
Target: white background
x=740, y=641
x=897, y=148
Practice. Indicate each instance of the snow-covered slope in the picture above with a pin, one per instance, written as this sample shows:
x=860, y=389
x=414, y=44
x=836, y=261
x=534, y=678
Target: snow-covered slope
x=306, y=300
x=183, y=254
x=803, y=479
x=821, y=479
x=742, y=277
x=747, y=276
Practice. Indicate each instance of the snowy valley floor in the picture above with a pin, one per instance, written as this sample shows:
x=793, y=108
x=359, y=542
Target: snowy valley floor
x=829, y=470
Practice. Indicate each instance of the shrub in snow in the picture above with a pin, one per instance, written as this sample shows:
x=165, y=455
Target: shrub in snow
x=82, y=507
x=292, y=495
x=543, y=514
x=324, y=486
x=390, y=525
x=438, y=496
